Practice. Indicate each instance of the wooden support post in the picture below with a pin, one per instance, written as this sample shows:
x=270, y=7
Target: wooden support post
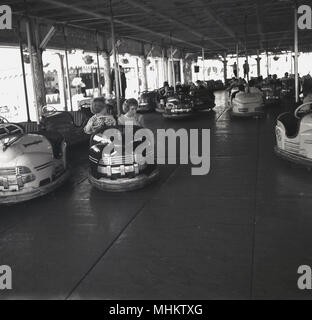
x=36, y=70
x=67, y=71
x=173, y=71
x=144, y=73
x=24, y=72
x=203, y=58
x=107, y=74
x=237, y=59
x=117, y=88
x=258, y=59
x=225, y=67
x=61, y=81
x=187, y=69
x=165, y=65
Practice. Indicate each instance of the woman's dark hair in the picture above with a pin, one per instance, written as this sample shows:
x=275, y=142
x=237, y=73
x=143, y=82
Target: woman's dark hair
x=128, y=103
x=94, y=107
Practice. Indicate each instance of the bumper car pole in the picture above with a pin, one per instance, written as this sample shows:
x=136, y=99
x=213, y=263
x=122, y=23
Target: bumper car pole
x=67, y=71
x=98, y=64
x=173, y=72
x=296, y=55
x=115, y=61
x=24, y=72
x=203, y=57
x=237, y=60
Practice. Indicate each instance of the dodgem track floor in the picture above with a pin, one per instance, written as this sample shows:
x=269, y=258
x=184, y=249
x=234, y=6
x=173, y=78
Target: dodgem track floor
x=240, y=232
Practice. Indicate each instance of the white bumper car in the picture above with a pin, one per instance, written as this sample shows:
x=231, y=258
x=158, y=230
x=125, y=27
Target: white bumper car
x=31, y=164
x=294, y=136
x=244, y=104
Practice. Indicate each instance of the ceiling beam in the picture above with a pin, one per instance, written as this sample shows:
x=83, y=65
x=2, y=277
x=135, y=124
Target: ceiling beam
x=154, y=12
x=120, y=22
x=212, y=16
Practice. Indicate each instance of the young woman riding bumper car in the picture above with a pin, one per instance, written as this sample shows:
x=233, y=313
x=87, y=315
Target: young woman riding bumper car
x=116, y=166
x=31, y=164
x=178, y=107
x=294, y=135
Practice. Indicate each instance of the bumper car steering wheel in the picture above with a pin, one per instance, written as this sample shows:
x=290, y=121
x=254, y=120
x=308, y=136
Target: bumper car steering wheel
x=3, y=120
x=9, y=134
x=49, y=110
x=299, y=114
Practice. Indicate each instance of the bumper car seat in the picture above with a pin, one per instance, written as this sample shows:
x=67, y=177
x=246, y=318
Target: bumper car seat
x=291, y=124
x=56, y=139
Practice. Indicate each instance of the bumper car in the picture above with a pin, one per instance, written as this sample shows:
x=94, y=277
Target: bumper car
x=244, y=104
x=218, y=85
x=147, y=102
x=161, y=99
x=203, y=99
x=68, y=123
x=288, y=89
x=294, y=135
x=178, y=107
x=122, y=169
x=31, y=164
x=272, y=94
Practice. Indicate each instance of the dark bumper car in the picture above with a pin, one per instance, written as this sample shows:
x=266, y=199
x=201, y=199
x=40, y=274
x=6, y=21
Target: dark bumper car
x=147, y=102
x=68, y=123
x=178, y=107
x=121, y=168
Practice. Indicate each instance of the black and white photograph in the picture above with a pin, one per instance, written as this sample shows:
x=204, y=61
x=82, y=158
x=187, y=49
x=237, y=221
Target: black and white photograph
x=154, y=153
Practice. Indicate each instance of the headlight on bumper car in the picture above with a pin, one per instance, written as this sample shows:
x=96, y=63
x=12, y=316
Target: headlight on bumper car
x=15, y=178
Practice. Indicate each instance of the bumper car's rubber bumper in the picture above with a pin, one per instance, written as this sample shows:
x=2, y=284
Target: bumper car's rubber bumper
x=178, y=115
x=294, y=158
x=247, y=114
x=125, y=184
x=160, y=110
x=144, y=108
x=272, y=101
x=27, y=194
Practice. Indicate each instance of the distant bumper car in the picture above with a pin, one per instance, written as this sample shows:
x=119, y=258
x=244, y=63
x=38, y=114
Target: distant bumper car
x=288, y=89
x=121, y=168
x=245, y=104
x=178, y=107
x=147, y=102
x=294, y=135
x=160, y=105
x=31, y=164
x=203, y=99
x=161, y=99
x=218, y=85
x=68, y=123
x=272, y=94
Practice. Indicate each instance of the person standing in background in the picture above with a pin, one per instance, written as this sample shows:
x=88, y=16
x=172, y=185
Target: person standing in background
x=235, y=69
x=246, y=69
x=123, y=82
